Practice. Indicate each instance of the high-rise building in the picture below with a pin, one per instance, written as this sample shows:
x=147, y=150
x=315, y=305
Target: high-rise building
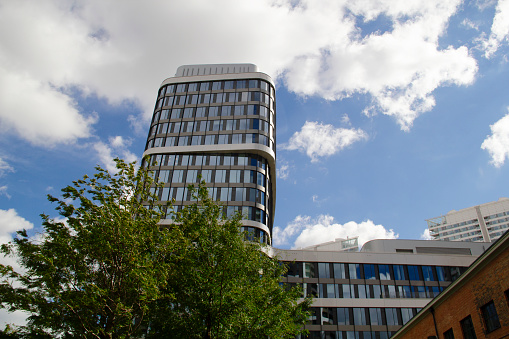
x=486, y=222
x=217, y=122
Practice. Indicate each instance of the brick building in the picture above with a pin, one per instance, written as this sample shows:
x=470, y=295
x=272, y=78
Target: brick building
x=476, y=305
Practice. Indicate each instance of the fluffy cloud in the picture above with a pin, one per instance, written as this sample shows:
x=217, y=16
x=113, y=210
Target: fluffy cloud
x=497, y=144
x=117, y=147
x=499, y=29
x=399, y=68
x=425, y=235
x=38, y=112
x=304, y=231
x=319, y=140
x=122, y=53
x=10, y=222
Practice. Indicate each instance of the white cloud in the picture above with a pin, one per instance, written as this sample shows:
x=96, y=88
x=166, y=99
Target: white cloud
x=3, y=191
x=117, y=147
x=123, y=52
x=10, y=222
x=119, y=142
x=345, y=120
x=497, y=144
x=425, y=235
x=12, y=318
x=319, y=140
x=5, y=167
x=304, y=231
x=499, y=29
x=400, y=69
x=283, y=170
x=38, y=112
x=470, y=24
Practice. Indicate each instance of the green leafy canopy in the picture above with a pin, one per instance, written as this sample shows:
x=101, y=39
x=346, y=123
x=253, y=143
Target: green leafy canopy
x=108, y=270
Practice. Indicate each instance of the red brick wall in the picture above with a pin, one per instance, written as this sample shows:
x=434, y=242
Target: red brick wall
x=488, y=284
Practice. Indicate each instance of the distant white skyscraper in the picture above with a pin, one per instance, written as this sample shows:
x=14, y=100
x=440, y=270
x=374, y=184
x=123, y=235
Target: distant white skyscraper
x=217, y=121
x=486, y=222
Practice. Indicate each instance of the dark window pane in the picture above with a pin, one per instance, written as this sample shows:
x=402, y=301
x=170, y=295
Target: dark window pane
x=467, y=327
x=293, y=269
x=399, y=272
x=354, y=271
x=217, y=85
x=309, y=268
x=343, y=316
x=413, y=272
x=406, y=315
x=204, y=86
x=449, y=334
x=375, y=315
x=391, y=315
x=324, y=270
x=490, y=317
x=427, y=273
x=440, y=273
x=384, y=272
x=228, y=84
x=339, y=271
x=359, y=316
x=369, y=271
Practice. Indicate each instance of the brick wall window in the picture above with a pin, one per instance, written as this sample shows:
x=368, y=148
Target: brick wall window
x=467, y=327
x=490, y=317
x=449, y=334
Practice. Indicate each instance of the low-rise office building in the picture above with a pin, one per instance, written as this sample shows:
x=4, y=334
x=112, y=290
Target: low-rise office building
x=474, y=306
x=374, y=292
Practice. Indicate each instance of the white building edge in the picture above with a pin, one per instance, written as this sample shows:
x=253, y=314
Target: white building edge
x=486, y=222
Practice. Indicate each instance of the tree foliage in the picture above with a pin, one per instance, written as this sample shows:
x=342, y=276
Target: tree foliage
x=94, y=272
x=223, y=286
x=105, y=269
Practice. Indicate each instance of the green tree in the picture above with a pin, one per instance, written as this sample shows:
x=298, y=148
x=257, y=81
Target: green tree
x=95, y=272
x=223, y=286
x=107, y=270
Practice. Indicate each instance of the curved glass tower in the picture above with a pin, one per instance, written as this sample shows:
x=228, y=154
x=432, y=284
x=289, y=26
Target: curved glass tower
x=217, y=121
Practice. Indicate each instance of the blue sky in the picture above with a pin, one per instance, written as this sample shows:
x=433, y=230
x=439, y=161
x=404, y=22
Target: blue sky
x=388, y=112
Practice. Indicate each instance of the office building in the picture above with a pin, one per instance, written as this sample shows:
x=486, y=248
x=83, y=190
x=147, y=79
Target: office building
x=476, y=305
x=374, y=292
x=217, y=122
x=486, y=222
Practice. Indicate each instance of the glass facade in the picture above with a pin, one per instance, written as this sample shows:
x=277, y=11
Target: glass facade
x=364, y=281
x=222, y=131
